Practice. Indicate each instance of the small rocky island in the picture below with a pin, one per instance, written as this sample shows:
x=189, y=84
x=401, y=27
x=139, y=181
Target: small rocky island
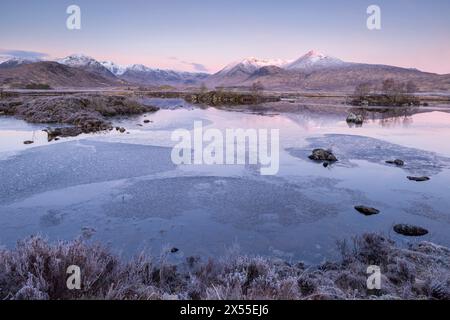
x=80, y=113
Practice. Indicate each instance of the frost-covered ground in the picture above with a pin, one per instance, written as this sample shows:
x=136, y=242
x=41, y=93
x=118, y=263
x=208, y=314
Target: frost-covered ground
x=124, y=191
x=36, y=269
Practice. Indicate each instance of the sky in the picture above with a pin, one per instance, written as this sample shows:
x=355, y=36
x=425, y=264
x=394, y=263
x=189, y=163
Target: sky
x=206, y=35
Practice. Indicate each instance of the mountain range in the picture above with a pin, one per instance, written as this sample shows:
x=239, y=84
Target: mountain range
x=312, y=71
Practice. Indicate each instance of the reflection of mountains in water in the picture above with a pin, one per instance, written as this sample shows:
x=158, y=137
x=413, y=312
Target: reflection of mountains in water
x=308, y=116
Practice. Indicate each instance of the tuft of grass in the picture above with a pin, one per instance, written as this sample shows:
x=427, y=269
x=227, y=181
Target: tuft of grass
x=36, y=269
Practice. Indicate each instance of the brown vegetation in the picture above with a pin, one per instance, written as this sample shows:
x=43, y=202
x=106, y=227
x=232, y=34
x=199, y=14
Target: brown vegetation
x=54, y=74
x=36, y=269
x=218, y=97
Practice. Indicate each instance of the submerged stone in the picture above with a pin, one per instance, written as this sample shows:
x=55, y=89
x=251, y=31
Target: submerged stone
x=367, y=211
x=397, y=162
x=410, y=230
x=418, y=179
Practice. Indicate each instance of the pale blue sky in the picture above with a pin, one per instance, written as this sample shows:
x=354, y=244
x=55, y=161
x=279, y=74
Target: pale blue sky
x=187, y=35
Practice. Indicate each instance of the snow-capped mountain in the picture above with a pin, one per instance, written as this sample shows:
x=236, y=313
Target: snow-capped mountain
x=78, y=60
x=239, y=71
x=252, y=64
x=140, y=74
x=252, y=68
x=136, y=73
x=86, y=63
x=314, y=60
x=312, y=71
x=114, y=68
x=11, y=62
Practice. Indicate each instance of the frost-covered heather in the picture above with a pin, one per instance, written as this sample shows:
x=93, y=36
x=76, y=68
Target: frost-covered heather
x=36, y=269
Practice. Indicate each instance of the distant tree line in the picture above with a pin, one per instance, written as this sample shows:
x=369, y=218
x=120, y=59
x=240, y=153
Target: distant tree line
x=391, y=93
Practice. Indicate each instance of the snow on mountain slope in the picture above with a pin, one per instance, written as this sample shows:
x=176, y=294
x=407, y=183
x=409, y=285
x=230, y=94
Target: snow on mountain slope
x=86, y=63
x=115, y=69
x=314, y=60
x=10, y=62
x=139, y=68
x=141, y=74
x=78, y=60
x=252, y=64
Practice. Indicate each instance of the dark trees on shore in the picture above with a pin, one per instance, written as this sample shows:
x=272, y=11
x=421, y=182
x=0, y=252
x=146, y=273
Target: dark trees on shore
x=391, y=93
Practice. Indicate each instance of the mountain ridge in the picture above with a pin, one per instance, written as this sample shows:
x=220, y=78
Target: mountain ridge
x=53, y=74
x=312, y=71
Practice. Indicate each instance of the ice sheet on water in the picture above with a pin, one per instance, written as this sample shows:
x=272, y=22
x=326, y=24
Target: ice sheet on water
x=241, y=201
x=350, y=147
x=78, y=162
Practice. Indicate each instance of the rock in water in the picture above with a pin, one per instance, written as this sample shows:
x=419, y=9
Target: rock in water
x=325, y=164
x=174, y=250
x=147, y=121
x=419, y=179
x=367, y=211
x=356, y=119
x=323, y=155
x=54, y=133
x=410, y=230
x=28, y=142
x=397, y=162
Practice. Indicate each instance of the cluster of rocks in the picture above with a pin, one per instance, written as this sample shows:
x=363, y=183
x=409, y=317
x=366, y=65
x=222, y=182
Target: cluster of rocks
x=403, y=229
x=327, y=156
x=355, y=118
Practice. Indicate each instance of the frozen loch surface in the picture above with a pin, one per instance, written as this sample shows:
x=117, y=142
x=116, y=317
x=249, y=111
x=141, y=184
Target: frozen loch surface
x=124, y=190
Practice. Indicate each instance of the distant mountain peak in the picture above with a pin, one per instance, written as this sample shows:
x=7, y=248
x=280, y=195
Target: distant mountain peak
x=87, y=63
x=10, y=61
x=314, y=60
x=77, y=59
x=315, y=53
x=251, y=64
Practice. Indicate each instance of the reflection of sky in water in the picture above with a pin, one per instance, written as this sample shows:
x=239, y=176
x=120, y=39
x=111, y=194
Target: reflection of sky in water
x=129, y=191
